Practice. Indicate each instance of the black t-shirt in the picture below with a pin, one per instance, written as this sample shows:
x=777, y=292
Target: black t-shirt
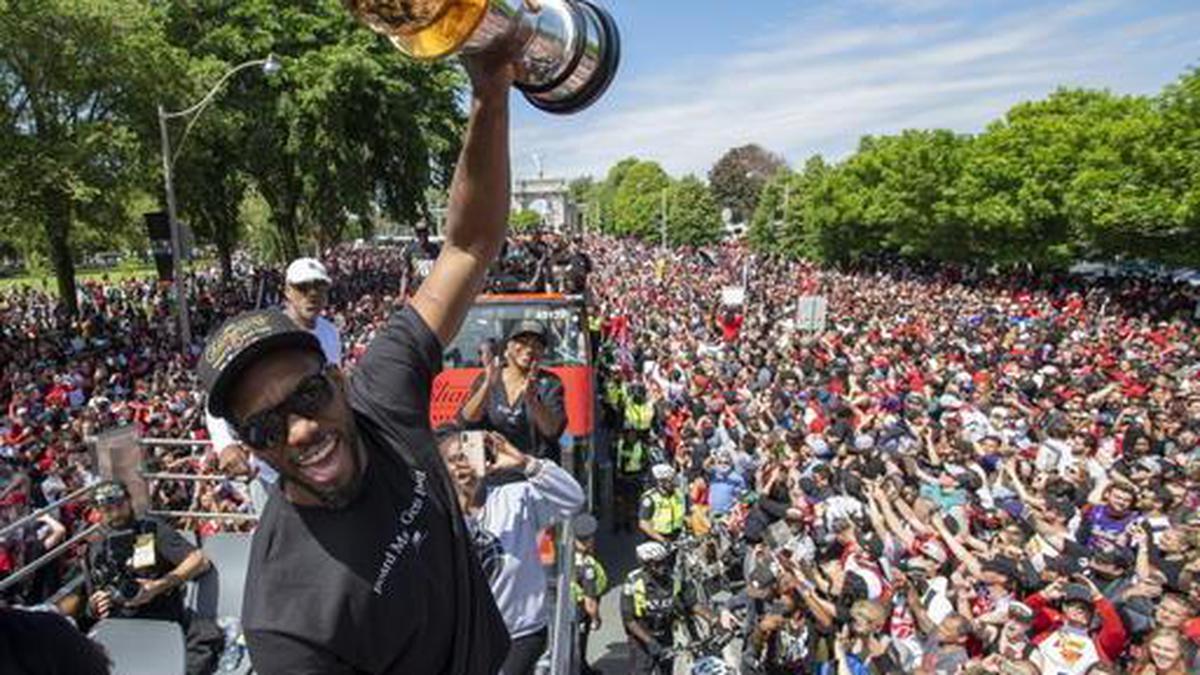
x=40, y=643
x=116, y=552
x=390, y=583
x=516, y=424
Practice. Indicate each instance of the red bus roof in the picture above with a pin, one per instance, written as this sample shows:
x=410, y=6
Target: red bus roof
x=525, y=297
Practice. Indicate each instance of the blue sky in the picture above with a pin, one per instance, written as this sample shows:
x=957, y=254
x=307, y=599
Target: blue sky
x=803, y=77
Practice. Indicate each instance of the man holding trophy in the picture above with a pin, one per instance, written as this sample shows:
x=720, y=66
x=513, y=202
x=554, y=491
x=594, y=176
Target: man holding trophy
x=362, y=561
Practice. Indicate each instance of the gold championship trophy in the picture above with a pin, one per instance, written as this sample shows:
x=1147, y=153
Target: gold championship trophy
x=570, y=51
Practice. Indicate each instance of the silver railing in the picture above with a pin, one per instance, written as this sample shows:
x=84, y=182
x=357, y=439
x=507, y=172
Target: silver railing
x=563, y=660
x=150, y=476
x=29, y=568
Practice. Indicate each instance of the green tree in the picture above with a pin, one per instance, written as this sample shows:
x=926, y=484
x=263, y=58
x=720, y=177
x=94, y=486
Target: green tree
x=524, y=221
x=1012, y=191
x=79, y=80
x=908, y=178
x=349, y=130
x=604, y=194
x=638, y=203
x=693, y=217
x=738, y=178
x=767, y=224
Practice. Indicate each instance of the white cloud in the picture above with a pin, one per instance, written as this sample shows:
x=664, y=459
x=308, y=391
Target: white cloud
x=914, y=65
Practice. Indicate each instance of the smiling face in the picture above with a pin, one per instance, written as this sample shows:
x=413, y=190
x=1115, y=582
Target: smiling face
x=1165, y=650
x=306, y=301
x=319, y=455
x=524, y=351
x=1119, y=500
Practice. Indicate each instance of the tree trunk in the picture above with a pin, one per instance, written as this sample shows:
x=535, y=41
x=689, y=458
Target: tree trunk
x=224, y=237
x=225, y=255
x=58, y=234
x=290, y=243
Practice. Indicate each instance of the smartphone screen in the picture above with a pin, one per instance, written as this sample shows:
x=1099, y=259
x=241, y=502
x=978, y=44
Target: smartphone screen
x=473, y=448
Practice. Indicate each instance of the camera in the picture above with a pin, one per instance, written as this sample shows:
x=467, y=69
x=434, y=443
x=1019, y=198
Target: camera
x=115, y=579
x=111, y=574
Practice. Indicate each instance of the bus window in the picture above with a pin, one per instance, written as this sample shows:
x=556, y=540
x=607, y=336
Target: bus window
x=564, y=326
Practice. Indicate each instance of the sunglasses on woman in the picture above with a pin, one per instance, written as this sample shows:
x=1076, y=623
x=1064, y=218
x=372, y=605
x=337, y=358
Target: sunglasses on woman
x=268, y=428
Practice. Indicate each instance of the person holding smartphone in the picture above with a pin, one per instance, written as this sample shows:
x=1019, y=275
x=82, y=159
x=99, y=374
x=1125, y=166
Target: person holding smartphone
x=516, y=397
x=505, y=517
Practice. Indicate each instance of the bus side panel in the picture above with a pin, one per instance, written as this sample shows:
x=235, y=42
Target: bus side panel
x=451, y=388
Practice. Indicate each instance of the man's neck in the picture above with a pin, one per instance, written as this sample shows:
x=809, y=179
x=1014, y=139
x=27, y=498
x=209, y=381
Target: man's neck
x=300, y=321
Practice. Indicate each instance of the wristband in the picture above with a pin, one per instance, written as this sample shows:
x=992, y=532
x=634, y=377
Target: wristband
x=533, y=467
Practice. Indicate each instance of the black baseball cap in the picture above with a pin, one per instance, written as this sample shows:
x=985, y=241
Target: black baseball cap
x=529, y=327
x=1077, y=593
x=1001, y=565
x=1064, y=565
x=238, y=343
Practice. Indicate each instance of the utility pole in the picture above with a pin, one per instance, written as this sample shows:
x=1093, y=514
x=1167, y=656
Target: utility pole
x=181, y=307
x=664, y=218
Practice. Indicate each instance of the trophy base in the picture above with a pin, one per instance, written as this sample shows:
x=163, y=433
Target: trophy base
x=595, y=67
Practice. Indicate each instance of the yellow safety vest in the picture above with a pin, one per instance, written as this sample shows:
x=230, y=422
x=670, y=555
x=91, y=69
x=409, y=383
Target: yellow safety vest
x=668, y=512
x=631, y=456
x=613, y=393
x=639, y=592
x=638, y=416
x=584, y=560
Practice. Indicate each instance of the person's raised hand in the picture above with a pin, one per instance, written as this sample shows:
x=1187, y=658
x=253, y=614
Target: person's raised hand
x=234, y=460
x=505, y=455
x=492, y=71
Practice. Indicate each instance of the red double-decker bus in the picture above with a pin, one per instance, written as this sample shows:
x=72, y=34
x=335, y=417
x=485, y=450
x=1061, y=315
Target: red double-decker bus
x=568, y=355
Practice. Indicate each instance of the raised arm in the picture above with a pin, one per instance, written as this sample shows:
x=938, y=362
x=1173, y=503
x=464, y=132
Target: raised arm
x=477, y=214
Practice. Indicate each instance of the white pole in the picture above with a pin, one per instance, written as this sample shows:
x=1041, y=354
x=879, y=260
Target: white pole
x=664, y=218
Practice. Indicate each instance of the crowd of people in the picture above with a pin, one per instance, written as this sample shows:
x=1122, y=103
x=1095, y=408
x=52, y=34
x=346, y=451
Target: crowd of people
x=63, y=380
x=961, y=472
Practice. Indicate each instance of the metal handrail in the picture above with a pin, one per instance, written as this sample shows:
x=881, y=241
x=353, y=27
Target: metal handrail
x=163, y=475
x=173, y=443
x=46, y=558
x=34, y=515
x=202, y=514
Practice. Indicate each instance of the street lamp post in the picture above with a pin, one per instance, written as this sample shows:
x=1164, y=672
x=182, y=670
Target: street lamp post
x=270, y=66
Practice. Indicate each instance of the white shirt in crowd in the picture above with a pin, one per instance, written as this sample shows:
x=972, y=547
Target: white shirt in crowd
x=222, y=435
x=512, y=516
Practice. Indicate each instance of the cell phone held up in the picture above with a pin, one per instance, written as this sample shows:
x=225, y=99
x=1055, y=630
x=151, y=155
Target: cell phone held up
x=474, y=446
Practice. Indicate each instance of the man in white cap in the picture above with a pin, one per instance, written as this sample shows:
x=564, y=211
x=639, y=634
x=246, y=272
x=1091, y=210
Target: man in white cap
x=306, y=292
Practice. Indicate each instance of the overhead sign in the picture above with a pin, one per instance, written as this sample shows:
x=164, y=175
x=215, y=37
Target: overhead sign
x=810, y=313
x=733, y=296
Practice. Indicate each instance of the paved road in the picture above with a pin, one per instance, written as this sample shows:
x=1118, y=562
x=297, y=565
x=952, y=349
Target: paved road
x=606, y=649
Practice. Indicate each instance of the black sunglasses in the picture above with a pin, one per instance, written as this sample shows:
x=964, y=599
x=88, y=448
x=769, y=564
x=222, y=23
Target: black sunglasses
x=268, y=428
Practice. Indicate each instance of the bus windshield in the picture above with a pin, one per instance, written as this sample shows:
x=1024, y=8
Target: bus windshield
x=564, y=328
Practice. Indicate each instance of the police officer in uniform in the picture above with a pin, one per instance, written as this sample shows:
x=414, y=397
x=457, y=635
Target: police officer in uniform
x=633, y=458
x=652, y=600
x=589, y=585
x=139, y=569
x=663, y=507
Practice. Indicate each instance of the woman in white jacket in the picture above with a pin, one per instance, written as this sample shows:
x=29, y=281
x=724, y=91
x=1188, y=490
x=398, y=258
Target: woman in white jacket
x=509, y=501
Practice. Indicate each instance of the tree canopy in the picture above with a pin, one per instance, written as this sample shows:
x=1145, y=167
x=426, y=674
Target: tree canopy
x=738, y=178
x=348, y=134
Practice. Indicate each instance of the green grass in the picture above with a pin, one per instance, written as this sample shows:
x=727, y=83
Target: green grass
x=47, y=282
